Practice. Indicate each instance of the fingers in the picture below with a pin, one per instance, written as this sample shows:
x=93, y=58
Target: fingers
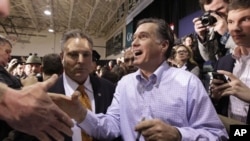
x=62, y=128
x=75, y=95
x=142, y=125
x=55, y=134
x=229, y=74
x=65, y=119
x=41, y=136
x=217, y=89
x=48, y=83
x=196, y=19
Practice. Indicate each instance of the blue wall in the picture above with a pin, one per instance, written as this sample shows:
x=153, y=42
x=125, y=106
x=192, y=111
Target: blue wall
x=186, y=25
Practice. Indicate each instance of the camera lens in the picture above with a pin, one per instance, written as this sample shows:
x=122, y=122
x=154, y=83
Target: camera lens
x=207, y=19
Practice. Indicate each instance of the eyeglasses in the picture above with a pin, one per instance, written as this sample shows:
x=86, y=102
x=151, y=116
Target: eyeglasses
x=182, y=51
x=126, y=60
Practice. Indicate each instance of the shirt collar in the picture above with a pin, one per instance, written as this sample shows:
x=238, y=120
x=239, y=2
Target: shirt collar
x=155, y=77
x=71, y=84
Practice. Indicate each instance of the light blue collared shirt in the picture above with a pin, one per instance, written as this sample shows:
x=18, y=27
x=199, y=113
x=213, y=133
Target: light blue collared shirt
x=172, y=95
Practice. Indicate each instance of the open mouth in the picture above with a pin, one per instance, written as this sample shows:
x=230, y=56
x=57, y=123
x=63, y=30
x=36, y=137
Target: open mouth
x=137, y=53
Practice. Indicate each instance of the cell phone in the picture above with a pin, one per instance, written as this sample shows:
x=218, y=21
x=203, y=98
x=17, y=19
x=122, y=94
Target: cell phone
x=219, y=76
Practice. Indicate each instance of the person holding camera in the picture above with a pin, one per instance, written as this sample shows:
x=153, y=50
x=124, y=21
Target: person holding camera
x=233, y=96
x=211, y=29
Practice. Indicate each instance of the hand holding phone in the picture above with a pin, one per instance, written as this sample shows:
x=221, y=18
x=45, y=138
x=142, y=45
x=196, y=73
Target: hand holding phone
x=219, y=76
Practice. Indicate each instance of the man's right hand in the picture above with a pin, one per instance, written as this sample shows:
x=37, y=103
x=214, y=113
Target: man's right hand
x=31, y=111
x=199, y=28
x=71, y=105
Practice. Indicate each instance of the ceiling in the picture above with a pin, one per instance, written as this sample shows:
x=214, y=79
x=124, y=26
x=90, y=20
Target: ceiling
x=96, y=17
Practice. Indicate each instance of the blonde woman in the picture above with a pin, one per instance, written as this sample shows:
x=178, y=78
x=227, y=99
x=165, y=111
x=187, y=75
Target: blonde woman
x=183, y=58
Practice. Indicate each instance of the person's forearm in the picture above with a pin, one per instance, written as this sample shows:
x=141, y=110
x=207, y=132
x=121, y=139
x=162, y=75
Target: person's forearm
x=3, y=89
x=203, y=51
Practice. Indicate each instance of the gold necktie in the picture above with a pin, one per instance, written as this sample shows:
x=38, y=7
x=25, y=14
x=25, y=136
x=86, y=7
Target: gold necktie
x=86, y=103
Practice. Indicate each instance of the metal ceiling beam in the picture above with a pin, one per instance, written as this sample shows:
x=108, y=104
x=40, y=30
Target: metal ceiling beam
x=111, y=16
x=30, y=12
x=70, y=12
x=52, y=22
x=91, y=13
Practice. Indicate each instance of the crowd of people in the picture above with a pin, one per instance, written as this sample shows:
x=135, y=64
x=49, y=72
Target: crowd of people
x=154, y=92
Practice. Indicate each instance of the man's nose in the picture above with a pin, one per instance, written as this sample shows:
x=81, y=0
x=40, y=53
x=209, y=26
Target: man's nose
x=80, y=58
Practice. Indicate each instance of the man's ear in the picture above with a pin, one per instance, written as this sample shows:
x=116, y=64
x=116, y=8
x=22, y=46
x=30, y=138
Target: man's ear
x=165, y=45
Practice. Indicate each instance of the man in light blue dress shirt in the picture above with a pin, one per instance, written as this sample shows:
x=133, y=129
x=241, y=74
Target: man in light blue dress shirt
x=157, y=102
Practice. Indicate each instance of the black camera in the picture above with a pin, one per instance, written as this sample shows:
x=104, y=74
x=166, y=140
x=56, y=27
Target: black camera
x=207, y=19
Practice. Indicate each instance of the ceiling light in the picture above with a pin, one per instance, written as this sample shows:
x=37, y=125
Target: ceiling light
x=47, y=10
x=51, y=30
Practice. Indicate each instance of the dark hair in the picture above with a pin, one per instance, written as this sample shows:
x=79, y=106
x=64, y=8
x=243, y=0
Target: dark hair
x=164, y=32
x=76, y=33
x=52, y=64
x=187, y=36
x=205, y=2
x=4, y=41
x=238, y=4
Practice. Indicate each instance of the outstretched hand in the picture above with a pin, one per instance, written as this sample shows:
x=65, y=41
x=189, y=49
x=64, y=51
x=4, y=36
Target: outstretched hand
x=31, y=111
x=71, y=105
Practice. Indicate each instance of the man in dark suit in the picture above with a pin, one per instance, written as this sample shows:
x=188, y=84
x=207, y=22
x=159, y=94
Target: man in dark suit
x=233, y=97
x=77, y=63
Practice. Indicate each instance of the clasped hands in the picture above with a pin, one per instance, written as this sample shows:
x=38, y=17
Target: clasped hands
x=70, y=105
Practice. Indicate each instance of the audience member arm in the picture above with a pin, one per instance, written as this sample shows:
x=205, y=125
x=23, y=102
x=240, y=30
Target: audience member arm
x=31, y=111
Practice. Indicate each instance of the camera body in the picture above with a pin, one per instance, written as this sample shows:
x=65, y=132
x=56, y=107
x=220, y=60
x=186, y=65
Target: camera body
x=207, y=19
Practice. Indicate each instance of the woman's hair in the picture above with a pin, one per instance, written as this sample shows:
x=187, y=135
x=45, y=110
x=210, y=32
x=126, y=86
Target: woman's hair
x=190, y=53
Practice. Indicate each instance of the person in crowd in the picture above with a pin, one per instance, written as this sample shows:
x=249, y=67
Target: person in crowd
x=118, y=61
x=98, y=70
x=77, y=64
x=6, y=78
x=189, y=42
x=119, y=71
x=32, y=70
x=11, y=66
x=33, y=65
x=19, y=71
x=157, y=102
x=232, y=97
x=212, y=34
x=51, y=64
x=30, y=110
x=95, y=59
x=111, y=64
x=107, y=74
x=128, y=61
x=184, y=59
